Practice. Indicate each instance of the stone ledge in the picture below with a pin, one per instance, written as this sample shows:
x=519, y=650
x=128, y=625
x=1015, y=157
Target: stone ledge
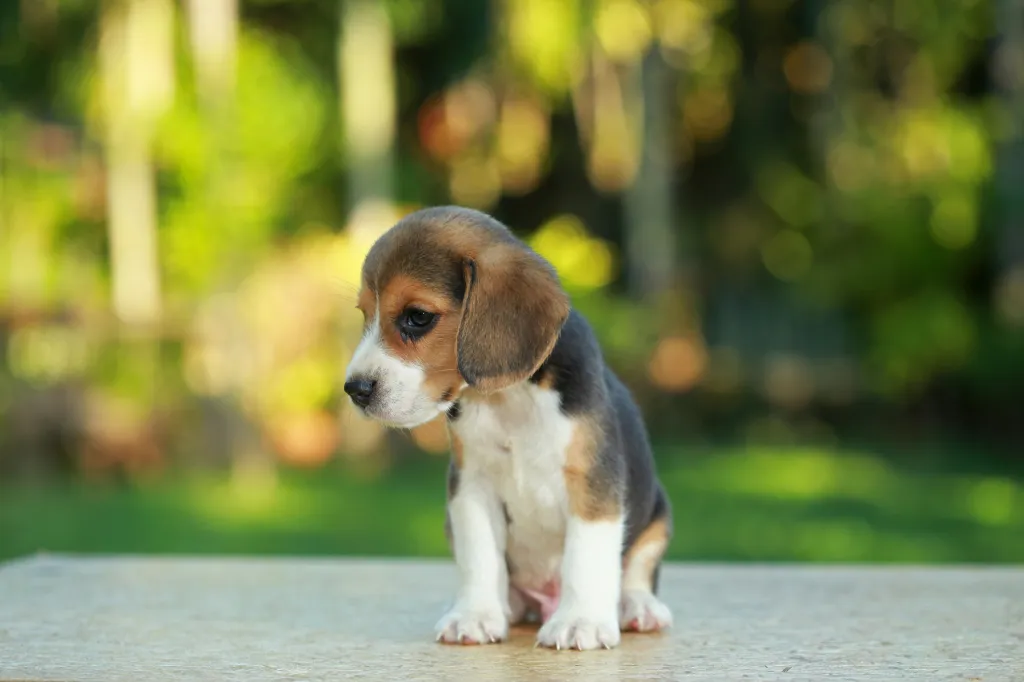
x=181, y=618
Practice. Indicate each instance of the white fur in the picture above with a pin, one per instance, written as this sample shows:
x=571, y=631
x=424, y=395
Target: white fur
x=517, y=442
x=480, y=613
x=587, y=617
x=514, y=448
x=512, y=454
x=399, y=399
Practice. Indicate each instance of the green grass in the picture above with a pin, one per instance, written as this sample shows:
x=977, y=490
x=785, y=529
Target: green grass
x=757, y=504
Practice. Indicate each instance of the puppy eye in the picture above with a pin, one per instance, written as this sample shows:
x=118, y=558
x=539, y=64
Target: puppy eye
x=414, y=322
x=418, y=318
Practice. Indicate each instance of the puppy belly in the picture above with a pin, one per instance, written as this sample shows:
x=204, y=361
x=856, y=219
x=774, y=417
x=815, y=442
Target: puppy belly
x=546, y=600
x=535, y=559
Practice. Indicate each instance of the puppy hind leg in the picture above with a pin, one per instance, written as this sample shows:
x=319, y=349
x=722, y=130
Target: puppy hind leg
x=639, y=608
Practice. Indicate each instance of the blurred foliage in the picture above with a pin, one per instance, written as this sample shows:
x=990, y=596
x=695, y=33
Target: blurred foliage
x=751, y=504
x=833, y=188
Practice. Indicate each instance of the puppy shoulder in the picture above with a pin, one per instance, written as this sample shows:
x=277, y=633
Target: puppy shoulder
x=575, y=369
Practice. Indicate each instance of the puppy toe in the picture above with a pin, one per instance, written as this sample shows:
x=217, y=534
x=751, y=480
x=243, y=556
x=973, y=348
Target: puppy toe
x=580, y=632
x=472, y=626
x=641, y=611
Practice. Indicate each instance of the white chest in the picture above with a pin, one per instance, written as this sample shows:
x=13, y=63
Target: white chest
x=515, y=445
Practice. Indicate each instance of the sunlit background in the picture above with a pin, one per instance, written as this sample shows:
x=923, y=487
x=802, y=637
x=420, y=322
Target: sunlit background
x=796, y=225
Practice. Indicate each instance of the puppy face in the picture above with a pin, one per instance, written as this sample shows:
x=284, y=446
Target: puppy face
x=450, y=299
x=407, y=356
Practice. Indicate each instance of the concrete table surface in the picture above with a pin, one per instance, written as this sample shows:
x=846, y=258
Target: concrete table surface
x=155, y=619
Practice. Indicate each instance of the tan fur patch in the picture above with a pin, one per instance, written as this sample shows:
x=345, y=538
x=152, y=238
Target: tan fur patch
x=436, y=352
x=584, y=500
x=645, y=554
x=546, y=380
x=366, y=303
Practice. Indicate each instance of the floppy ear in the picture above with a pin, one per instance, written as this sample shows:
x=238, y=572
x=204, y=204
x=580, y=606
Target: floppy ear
x=512, y=313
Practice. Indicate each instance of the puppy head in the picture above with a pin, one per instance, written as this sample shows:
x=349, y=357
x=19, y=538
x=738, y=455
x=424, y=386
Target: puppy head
x=450, y=299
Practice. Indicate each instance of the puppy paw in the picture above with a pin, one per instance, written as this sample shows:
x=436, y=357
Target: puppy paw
x=641, y=611
x=568, y=629
x=473, y=624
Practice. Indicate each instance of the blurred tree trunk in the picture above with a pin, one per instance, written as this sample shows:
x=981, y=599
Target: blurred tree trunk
x=137, y=68
x=1008, y=75
x=651, y=229
x=136, y=63
x=826, y=129
x=213, y=36
x=1008, y=72
x=366, y=70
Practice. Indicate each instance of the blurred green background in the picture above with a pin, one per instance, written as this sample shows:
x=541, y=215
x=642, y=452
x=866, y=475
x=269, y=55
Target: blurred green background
x=797, y=226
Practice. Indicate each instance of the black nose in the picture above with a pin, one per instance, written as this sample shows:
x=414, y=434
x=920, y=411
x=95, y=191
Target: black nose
x=360, y=390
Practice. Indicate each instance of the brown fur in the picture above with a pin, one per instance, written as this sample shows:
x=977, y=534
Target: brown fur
x=498, y=280
x=656, y=534
x=366, y=303
x=436, y=352
x=505, y=284
x=587, y=500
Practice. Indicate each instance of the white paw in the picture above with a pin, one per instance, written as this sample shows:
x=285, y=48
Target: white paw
x=641, y=611
x=473, y=624
x=574, y=629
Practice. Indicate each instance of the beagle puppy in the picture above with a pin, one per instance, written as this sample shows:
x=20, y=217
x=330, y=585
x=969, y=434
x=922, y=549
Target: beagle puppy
x=554, y=508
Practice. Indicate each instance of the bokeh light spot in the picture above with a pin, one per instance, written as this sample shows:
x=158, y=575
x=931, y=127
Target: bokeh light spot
x=790, y=193
x=522, y=143
x=808, y=68
x=583, y=262
x=475, y=182
x=954, y=221
x=683, y=25
x=623, y=29
x=788, y=255
x=1009, y=297
x=305, y=439
x=850, y=166
x=542, y=36
x=708, y=113
x=678, y=363
x=991, y=500
x=789, y=381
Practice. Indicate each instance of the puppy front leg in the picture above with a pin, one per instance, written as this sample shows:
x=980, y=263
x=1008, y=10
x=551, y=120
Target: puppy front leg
x=480, y=612
x=587, y=613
